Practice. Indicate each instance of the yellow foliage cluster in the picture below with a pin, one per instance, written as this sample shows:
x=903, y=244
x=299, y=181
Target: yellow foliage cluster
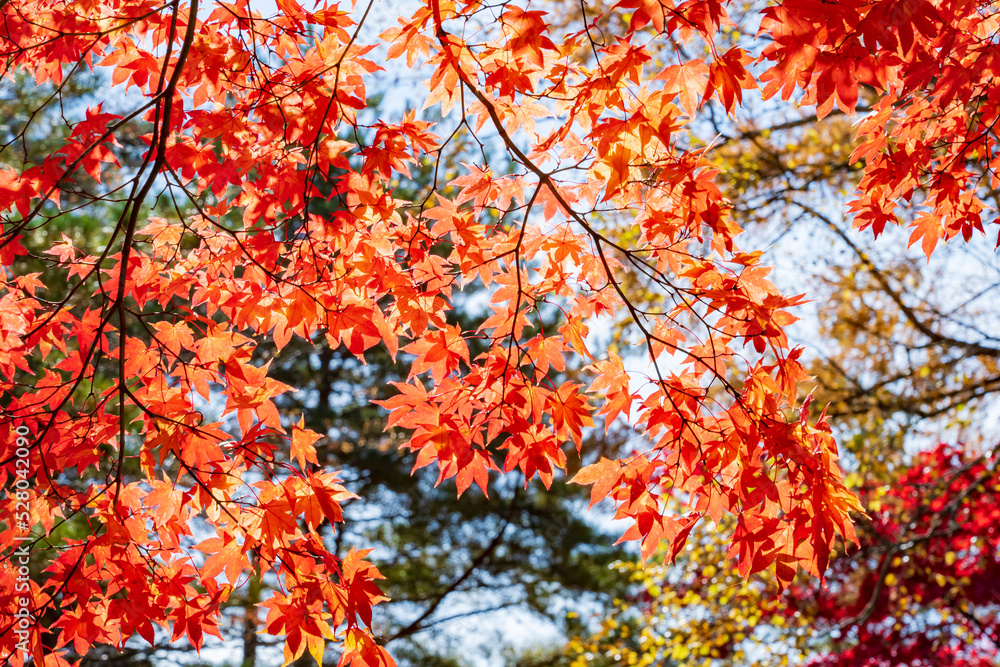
x=694, y=613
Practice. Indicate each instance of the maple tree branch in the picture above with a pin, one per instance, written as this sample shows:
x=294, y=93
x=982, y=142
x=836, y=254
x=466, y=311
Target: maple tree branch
x=869, y=608
x=466, y=614
x=161, y=132
x=109, y=132
x=544, y=177
x=520, y=288
x=911, y=316
x=54, y=413
x=811, y=119
x=988, y=632
x=314, y=151
x=417, y=625
x=951, y=399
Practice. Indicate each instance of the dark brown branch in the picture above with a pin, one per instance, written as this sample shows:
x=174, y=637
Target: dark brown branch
x=418, y=624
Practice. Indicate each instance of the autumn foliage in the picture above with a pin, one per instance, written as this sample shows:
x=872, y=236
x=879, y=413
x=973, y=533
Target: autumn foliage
x=219, y=244
x=927, y=569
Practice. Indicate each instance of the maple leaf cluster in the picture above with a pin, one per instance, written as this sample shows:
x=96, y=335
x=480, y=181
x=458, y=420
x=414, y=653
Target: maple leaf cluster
x=219, y=246
x=930, y=140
